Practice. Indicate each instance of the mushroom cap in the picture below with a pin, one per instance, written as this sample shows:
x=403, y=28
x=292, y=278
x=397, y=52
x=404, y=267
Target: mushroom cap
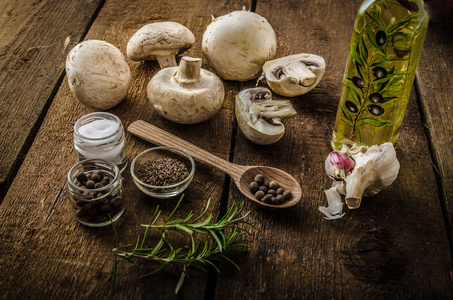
x=98, y=74
x=238, y=44
x=185, y=103
x=251, y=108
x=294, y=75
x=159, y=39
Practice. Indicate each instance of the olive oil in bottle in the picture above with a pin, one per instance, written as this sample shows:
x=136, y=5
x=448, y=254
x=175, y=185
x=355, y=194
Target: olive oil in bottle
x=384, y=51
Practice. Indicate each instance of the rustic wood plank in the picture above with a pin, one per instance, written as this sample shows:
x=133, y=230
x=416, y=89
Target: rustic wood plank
x=386, y=247
x=44, y=252
x=36, y=36
x=383, y=249
x=434, y=79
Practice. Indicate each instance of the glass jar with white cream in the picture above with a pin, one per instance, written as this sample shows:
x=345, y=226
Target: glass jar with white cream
x=101, y=135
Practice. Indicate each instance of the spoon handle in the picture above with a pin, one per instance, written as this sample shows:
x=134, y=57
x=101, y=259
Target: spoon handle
x=161, y=137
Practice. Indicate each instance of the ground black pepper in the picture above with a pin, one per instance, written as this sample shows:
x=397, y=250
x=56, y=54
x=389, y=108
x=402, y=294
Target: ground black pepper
x=162, y=172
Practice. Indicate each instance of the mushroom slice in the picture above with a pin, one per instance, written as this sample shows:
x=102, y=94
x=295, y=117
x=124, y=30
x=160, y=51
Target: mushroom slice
x=186, y=94
x=161, y=41
x=294, y=75
x=259, y=116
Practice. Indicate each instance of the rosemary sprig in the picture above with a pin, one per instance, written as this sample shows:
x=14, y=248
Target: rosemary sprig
x=221, y=236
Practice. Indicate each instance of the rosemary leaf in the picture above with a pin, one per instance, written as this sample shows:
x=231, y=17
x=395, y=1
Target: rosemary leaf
x=181, y=280
x=222, y=236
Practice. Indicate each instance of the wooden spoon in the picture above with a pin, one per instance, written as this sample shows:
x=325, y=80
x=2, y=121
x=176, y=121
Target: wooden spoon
x=242, y=175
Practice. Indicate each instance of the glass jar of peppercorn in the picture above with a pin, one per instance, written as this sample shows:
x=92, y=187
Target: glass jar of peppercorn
x=95, y=192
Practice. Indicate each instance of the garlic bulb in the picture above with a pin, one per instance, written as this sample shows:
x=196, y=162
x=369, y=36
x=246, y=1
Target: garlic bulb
x=374, y=169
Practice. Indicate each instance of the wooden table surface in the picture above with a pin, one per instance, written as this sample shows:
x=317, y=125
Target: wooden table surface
x=397, y=244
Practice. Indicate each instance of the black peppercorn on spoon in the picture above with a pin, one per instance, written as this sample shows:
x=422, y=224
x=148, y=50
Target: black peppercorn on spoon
x=242, y=175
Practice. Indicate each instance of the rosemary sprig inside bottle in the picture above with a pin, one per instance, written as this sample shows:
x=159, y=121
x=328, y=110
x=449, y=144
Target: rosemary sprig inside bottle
x=221, y=236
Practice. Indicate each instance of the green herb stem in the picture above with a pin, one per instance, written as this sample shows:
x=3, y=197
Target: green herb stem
x=225, y=235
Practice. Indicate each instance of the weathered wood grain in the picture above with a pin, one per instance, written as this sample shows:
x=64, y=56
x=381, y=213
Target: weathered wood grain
x=45, y=254
x=35, y=38
x=394, y=245
x=434, y=74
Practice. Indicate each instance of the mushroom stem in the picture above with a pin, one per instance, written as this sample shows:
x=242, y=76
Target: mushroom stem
x=307, y=77
x=273, y=108
x=355, y=186
x=188, y=70
x=166, y=61
x=302, y=76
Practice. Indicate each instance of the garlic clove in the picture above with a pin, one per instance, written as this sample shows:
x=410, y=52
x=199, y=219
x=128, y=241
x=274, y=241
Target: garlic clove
x=338, y=165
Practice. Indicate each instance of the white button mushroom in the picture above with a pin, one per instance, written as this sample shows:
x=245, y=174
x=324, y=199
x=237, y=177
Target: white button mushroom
x=294, y=75
x=161, y=41
x=259, y=116
x=238, y=44
x=98, y=74
x=186, y=94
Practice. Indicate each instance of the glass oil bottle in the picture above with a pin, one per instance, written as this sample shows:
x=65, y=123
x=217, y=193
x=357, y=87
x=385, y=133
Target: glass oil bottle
x=384, y=52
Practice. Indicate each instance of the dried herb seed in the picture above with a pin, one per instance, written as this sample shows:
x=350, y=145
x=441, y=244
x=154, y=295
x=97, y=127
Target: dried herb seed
x=162, y=172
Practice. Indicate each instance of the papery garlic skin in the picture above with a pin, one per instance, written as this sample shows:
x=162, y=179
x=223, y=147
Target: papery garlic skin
x=340, y=186
x=334, y=210
x=338, y=165
x=376, y=168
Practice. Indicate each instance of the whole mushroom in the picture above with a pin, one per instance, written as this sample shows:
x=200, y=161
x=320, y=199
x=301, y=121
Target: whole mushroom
x=186, y=94
x=161, y=41
x=237, y=45
x=98, y=74
x=259, y=116
x=294, y=75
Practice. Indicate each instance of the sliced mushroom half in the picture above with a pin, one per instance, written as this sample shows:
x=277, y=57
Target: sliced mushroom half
x=294, y=75
x=259, y=117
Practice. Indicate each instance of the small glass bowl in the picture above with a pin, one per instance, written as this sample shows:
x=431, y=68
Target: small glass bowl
x=162, y=191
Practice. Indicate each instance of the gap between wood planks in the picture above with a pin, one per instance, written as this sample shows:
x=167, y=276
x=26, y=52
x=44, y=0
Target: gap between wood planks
x=4, y=187
x=211, y=283
x=435, y=164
